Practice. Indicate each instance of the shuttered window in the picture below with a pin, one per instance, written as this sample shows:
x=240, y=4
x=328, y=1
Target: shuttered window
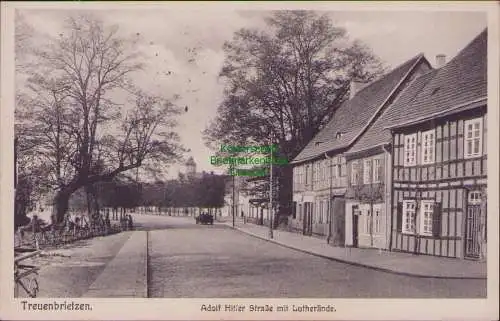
x=426, y=213
x=354, y=173
x=410, y=150
x=428, y=147
x=377, y=170
x=473, y=138
x=409, y=217
x=367, y=171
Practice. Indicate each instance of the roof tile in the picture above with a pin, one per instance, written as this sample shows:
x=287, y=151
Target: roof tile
x=353, y=115
x=462, y=80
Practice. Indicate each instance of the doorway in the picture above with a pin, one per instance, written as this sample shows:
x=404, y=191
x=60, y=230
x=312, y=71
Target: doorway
x=355, y=223
x=473, y=226
x=307, y=228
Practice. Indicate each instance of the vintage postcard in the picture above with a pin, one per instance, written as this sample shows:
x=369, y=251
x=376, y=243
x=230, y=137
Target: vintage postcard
x=249, y=161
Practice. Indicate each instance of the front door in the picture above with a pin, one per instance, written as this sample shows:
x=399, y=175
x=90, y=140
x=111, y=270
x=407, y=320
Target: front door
x=472, y=231
x=307, y=230
x=355, y=217
x=473, y=226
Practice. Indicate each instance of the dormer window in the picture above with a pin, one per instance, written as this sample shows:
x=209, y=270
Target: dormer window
x=339, y=135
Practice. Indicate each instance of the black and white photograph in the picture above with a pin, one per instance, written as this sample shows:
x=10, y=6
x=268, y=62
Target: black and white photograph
x=268, y=161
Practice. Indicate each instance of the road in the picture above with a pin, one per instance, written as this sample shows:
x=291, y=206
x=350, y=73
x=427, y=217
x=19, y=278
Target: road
x=188, y=260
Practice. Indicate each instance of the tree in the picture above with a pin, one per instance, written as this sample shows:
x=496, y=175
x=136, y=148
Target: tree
x=286, y=82
x=71, y=117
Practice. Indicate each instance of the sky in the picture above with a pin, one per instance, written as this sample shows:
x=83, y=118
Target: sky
x=168, y=37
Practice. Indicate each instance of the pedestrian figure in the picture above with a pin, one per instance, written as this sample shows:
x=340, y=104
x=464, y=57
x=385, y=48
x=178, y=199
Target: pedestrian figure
x=130, y=222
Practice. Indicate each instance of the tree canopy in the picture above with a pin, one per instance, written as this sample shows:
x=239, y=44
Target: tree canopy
x=286, y=82
x=82, y=117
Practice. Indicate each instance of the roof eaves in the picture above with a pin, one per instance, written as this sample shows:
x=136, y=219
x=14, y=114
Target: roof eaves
x=304, y=160
x=349, y=153
x=474, y=103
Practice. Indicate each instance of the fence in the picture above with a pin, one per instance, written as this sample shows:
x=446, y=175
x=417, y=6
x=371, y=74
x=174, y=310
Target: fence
x=39, y=235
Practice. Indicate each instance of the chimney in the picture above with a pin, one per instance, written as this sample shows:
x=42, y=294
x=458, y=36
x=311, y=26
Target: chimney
x=440, y=60
x=356, y=86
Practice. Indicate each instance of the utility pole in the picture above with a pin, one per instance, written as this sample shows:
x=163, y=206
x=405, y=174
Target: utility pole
x=233, y=196
x=271, y=190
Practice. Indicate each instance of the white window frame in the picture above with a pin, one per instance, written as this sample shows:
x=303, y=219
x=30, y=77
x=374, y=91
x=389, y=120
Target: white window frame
x=470, y=153
x=354, y=172
x=377, y=171
x=474, y=198
x=410, y=149
x=423, y=217
x=405, y=217
x=367, y=164
x=430, y=148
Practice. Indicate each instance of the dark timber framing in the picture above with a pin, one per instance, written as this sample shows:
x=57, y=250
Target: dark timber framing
x=447, y=181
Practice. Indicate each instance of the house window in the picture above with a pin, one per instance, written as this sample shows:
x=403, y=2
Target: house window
x=409, y=217
x=377, y=170
x=428, y=147
x=294, y=210
x=473, y=138
x=426, y=212
x=410, y=150
x=367, y=171
x=355, y=173
x=343, y=167
x=474, y=198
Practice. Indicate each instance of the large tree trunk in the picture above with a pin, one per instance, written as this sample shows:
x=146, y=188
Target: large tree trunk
x=61, y=205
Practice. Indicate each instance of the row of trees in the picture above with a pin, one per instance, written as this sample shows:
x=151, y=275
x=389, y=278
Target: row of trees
x=286, y=82
x=204, y=192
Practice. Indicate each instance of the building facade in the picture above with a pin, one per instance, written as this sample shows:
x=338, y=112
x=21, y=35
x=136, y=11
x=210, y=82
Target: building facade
x=440, y=161
x=321, y=170
x=368, y=198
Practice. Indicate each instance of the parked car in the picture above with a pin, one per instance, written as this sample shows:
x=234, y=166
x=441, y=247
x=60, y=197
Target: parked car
x=205, y=218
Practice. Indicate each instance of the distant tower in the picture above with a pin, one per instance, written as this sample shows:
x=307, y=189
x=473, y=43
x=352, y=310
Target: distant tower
x=190, y=167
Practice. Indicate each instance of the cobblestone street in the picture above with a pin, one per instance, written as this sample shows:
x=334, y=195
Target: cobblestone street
x=188, y=260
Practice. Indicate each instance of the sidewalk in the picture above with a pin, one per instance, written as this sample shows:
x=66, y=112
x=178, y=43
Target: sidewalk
x=125, y=275
x=68, y=271
x=392, y=262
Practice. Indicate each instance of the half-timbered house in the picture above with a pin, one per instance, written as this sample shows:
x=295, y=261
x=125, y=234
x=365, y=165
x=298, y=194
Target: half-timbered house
x=320, y=169
x=439, y=160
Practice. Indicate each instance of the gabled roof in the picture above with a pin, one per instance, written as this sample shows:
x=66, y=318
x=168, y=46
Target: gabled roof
x=458, y=85
x=352, y=117
x=377, y=135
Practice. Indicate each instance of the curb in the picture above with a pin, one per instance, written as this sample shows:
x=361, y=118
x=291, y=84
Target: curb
x=376, y=268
